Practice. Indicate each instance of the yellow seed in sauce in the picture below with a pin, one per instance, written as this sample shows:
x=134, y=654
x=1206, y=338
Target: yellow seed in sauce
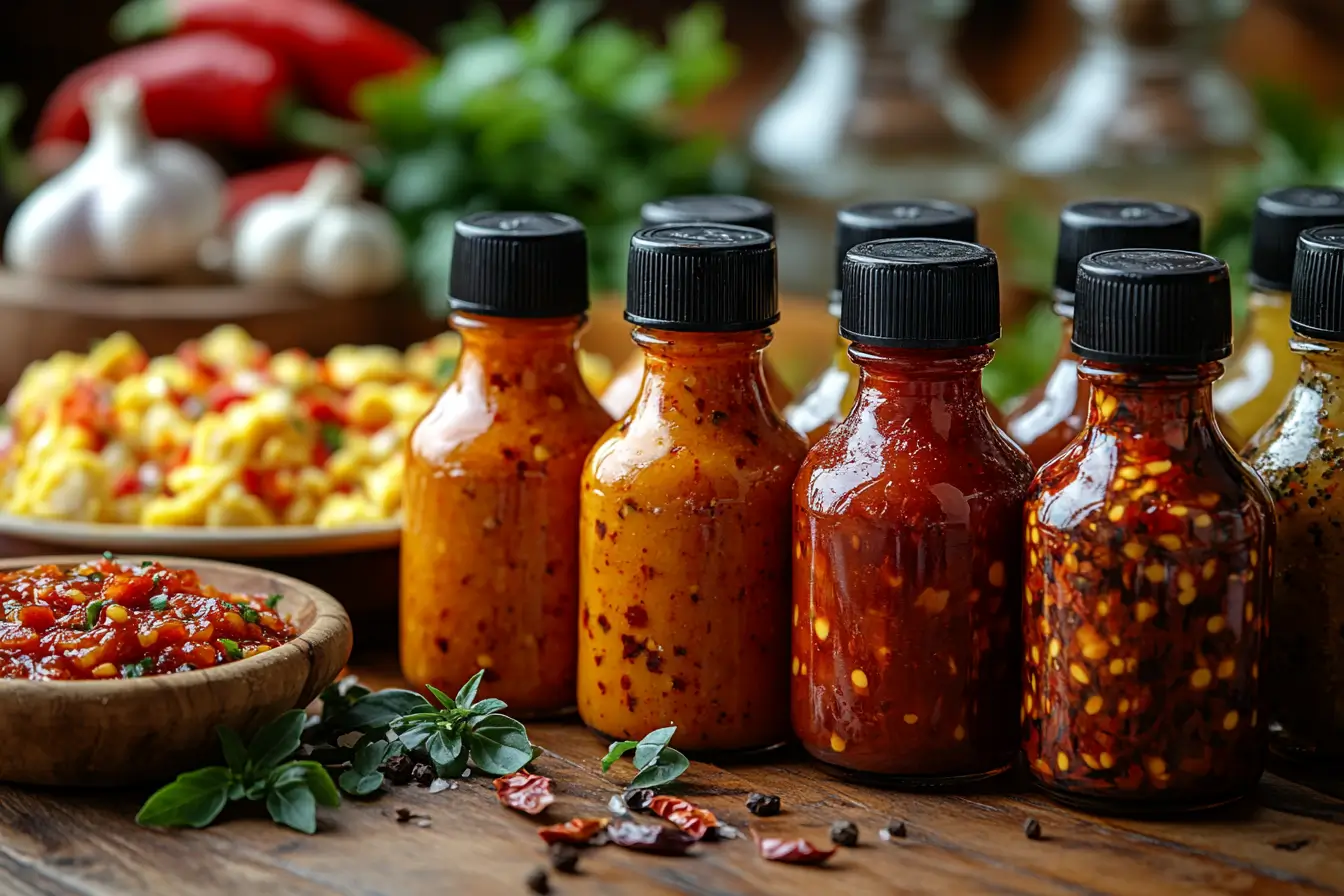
x=1117, y=666
x=795, y=665
x=1123, y=706
x=1201, y=678
x=1227, y=668
x=1093, y=705
x=148, y=639
x=1062, y=761
x=1055, y=647
x=1130, y=473
x=1115, y=513
x=802, y=670
x=1210, y=568
x=859, y=678
x=104, y=670
x=996, y=573
x=1169, y=541
x=1155, y=572
x=117, y=613
x=822, y=627
x=1250, y=611
x=1178, y=510
x=1145, y=610
x=1215, y=624
x=1156, y=467
x=1091, y=761
x=1133, y=550
x=540, y=453
x=1157, y=766
x=1203, y=521
x=959, y=733
x=837, y=743
x=1230, y=720
x=1079, y=673
x=795, y=614
x=484, y=660
x=911, y=718
x=1107, y=760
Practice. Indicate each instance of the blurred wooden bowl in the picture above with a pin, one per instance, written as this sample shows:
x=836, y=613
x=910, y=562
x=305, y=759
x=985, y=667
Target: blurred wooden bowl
x=146, y=730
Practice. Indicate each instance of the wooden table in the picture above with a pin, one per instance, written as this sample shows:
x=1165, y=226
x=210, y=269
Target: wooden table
x=1290, y=840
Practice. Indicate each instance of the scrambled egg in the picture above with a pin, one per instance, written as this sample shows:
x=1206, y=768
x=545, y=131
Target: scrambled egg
x=222, y=432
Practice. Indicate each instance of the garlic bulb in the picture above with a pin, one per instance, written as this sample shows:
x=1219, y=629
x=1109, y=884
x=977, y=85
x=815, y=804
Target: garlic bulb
x=131, y=207
x=323, y=238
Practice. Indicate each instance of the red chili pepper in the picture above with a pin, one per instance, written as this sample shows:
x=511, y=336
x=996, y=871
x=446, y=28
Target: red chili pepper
x=576, y=830
x=199, y=87
x=332, y=47
x=525, y=792
x=128, y=483
x=792, y=852
x=687, y=816
x=245, y=189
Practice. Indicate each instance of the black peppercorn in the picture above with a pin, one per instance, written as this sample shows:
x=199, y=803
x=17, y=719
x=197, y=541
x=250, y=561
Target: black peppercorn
x=762, y=804
x=893, y=831
x=399, y=769
x=1032, y=828
x=422, y=774
x=538, y=881
x=845, y=833
x=564, y=857
x=638, y=799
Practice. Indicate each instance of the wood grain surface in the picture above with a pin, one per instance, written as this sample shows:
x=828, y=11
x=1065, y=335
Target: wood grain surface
x=1289, y=840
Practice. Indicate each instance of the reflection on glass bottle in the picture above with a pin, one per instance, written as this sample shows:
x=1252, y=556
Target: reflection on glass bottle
x=876, y=108
x=1146, y=109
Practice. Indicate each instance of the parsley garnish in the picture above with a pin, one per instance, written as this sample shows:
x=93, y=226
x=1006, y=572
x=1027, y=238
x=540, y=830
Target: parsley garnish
x=231, y=648
x=138, y=669
x=248, y=613
x=108, y=555
x=273, y=600
x=158, y=603
x=91, y=613
x=333, y=437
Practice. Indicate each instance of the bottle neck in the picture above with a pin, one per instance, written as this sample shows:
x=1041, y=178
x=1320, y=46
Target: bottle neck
x=502, y=353
x=1173, y=403
x=1322, y=361
x=921, y=383
x=714, y=370
x=1266, y=311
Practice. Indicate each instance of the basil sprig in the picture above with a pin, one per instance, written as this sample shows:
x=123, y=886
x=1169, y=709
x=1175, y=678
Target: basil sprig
x=292, y=790
x=658, y=764
x=460, y=730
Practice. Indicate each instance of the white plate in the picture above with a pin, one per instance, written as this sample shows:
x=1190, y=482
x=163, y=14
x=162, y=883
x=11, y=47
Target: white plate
x=200, y=541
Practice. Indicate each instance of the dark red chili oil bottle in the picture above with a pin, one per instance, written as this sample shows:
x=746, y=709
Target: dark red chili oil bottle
x=1147, y=557
x=1299, y=453
x=907, y=525
x=1051, y=415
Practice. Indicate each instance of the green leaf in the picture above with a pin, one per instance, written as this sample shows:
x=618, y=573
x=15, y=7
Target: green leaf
x=139, y=668
x=316, y=778
x=547, y=31
x=444, y=700
x=248, y=612
x=467, y=695
x=360, y=784
x=293, y=806
x=487, y=706
x=616, y=751
x=651, y=744
x=665, y=769
x=378, y=710
x=276, y=741
x=231, y=648
x=1290, y=114
x=444, y=747
x=414, y=738
x=499, y=745
x=194, y=800
x=158, y=603
x=701, y=61
x=235, y=753
x=274, y=600
x=91, y=613
x=370, y=755
x=453, y=769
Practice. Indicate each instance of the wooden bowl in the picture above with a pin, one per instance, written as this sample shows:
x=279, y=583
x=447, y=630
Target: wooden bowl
x=146, y=730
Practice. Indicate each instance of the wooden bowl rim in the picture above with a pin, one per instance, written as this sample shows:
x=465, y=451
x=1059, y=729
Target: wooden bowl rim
x=329, y=624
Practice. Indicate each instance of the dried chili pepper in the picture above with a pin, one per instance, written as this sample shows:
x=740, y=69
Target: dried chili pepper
x=525, y=792
x=333, y=47
x=792, y=852
x=197, y=87
x=685, y=815
x=576, y=830
x=1148, y=557
x=653, y=838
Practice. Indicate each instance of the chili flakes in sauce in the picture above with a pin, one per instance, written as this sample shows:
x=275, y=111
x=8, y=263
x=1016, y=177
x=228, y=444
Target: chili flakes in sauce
x=109, y=619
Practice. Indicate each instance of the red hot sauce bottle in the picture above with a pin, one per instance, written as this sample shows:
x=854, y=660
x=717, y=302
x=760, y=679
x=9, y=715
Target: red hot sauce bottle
x=1148, y=557
x=1053, y=413
x=907, y=520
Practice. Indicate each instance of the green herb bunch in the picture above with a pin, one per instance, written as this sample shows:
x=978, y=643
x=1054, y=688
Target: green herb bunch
x=658, y=763
x=292, y=790
x=554, y=111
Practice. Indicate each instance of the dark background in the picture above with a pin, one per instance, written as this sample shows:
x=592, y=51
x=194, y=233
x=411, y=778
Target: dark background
x=1010, y=47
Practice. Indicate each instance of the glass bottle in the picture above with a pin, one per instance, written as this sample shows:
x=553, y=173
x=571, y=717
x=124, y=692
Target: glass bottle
x=1148, y=557
x=908, y=533
x=489, y=554
x=1298, y=453
x=684, y=529
x=743, y=211
x=1146, y=110
x=827, y=399
x=1263, y=367
x=1053, y=413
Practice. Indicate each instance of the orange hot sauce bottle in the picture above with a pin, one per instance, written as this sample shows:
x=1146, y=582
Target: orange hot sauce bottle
x=489, y=575
x=742, y=211
x=684, y=513
x=1054, y=412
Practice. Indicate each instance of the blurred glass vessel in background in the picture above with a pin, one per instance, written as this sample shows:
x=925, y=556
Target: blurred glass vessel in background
x=876, y=108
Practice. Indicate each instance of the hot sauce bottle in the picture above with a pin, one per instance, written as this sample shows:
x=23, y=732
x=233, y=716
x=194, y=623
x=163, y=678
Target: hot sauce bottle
x=827, y=399
x=742, y=211
x=684, y=526
x=1147, y=557
x=1263, y=368
x=489, y=554
x=1053, y=413
x=907, y=521
x=1299, y=453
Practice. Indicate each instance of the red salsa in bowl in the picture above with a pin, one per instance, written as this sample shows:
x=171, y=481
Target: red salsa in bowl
x=111, y=619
